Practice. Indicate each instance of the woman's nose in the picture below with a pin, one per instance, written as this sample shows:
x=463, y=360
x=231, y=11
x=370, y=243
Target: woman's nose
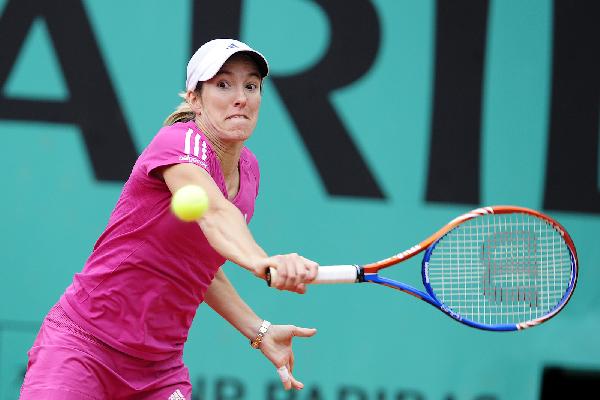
x=241, y=98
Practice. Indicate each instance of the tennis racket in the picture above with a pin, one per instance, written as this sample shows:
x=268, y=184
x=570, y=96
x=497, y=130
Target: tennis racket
x=501, y=268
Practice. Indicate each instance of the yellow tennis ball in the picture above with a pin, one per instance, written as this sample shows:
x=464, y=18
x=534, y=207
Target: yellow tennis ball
x=189, y=203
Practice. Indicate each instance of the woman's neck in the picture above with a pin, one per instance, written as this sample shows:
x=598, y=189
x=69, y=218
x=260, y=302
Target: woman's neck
x=227, y=152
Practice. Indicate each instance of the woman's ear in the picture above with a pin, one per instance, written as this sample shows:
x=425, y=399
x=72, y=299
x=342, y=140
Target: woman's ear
x=194, y=101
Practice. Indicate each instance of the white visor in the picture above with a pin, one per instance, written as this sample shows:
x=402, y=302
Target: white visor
x=211, y=56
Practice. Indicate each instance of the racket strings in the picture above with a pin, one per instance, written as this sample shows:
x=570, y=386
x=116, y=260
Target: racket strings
x=501, y=269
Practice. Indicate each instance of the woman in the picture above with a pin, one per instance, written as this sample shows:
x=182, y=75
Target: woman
x=118, y=330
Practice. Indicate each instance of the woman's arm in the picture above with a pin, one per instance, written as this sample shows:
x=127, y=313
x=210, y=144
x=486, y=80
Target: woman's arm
x=227, y=232
x=222, y=297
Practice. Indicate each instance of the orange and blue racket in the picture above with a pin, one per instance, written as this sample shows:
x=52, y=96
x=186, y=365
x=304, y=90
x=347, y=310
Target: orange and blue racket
x=501, y=268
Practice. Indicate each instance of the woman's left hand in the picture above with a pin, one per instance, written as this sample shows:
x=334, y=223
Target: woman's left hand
x=277, y=347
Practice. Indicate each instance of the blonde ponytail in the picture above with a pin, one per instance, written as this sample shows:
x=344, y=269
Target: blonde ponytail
x=183, y=113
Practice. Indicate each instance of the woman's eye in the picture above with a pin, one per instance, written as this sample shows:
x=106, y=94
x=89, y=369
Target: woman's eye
x=222, y=85
x=251, y=86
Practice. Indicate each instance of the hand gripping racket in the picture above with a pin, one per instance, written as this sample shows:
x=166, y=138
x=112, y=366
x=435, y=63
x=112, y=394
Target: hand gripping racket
x=500, y=268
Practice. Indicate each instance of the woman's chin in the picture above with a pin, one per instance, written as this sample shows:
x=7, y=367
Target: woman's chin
x=239, y=131
x=237, y=135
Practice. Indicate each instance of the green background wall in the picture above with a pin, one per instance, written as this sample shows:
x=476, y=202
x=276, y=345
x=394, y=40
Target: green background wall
x=372, y=343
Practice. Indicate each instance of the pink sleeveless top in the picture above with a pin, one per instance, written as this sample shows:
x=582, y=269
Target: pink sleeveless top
x=148, y=272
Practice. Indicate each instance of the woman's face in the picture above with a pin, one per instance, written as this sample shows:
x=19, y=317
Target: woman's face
x=229, y=102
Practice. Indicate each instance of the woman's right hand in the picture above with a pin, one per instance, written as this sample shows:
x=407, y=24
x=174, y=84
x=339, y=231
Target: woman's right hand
x=293, y=271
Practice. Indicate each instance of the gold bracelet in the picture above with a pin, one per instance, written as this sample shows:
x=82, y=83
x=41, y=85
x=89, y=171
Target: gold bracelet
x=261, y=333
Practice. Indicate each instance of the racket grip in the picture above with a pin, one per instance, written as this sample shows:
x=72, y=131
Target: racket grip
x=327, y=274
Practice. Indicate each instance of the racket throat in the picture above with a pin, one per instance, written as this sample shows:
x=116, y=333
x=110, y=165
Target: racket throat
x=360, y=274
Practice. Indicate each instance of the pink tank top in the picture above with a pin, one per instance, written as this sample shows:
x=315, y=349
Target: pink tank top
x=148, y=272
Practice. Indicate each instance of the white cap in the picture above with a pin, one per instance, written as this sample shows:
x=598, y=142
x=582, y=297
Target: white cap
x=211, y=56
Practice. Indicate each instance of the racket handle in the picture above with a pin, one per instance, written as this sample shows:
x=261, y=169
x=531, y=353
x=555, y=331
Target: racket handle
x=327, y=274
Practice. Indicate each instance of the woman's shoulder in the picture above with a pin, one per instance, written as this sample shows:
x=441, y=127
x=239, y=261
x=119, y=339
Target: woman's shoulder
x=249, y=156
x=250, y=163
x=173, y=135
x=177, y=127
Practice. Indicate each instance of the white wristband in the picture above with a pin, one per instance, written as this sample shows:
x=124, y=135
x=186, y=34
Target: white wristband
x=264, y=327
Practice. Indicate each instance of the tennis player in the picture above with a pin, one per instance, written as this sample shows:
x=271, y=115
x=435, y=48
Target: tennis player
x=119, y=329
